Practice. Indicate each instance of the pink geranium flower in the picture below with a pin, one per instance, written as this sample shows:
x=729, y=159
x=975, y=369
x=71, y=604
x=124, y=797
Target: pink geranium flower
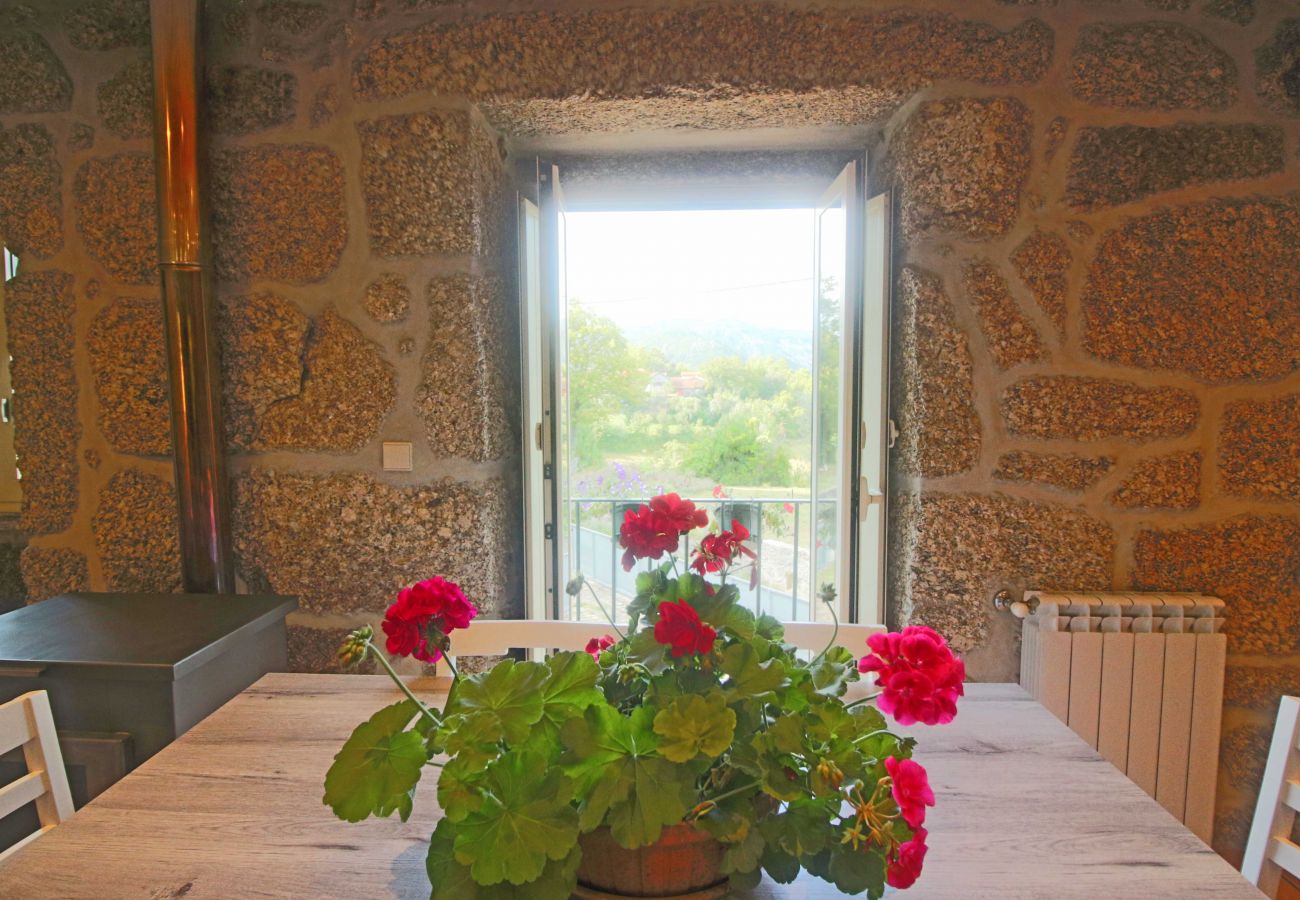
x=919, y=677
x=418, y=623
x=911, y=789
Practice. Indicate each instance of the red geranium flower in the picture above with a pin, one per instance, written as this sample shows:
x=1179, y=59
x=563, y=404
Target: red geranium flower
x=645, y=535
x=679, y=626
x=423, y=615
x=911, y=789
x=905, y=864
x=717, y=551
x=681, y=515
x=597, y=646
x=920, y=679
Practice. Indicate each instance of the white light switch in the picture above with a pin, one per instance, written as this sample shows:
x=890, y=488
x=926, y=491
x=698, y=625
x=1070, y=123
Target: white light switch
x=398, y=456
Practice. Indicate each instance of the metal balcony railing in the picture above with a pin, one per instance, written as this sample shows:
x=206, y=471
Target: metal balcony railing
x=780, y=533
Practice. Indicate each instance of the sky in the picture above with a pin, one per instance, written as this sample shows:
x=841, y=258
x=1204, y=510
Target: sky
x=638, y=268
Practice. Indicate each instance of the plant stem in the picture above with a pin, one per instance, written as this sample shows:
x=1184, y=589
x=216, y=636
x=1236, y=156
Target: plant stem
x=451, y=665
x=734, y=791
x=835, y=633
x=603, y=611
x=897, y=737
x=862, y=700
x=428, y=713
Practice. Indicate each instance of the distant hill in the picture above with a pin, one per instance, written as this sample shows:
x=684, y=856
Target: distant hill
x=693, y=344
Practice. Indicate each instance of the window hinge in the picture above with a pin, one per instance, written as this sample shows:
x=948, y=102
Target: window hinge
x=548, y=470
x=539, y=436
x=548, y=531
x=891, y=434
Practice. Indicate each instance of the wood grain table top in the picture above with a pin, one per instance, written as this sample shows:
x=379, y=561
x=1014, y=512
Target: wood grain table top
x=233, y=809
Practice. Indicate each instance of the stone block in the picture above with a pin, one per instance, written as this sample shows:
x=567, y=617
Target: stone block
x=347, y=543
x=347, y=388
x=39, y=312
x=433, y=183
x=1252, y=562
x=128, y=359
x=117, y=215
x=32, y=78
x=753, y=50
x=126, y=100
x=1211, y=289
x=1151, y=65
x=962, y=163
x=263, y=337
x=50, y=571
x=1088, y=409
x=1009, y=335
x=1067, y=471
x=959, y=549
x=31, y=204
x=244, y=99
x=1259, y=448
x=1258, y=687
x=1162, y=482
x=1111, y=166
x=462, y=394
x=108, y=24
x=1242, y=12
x=388, y=299
x=939, y=427
x=292, y=17
x=136, y=533
x=278, y=212
x=1042, y=261
x=1277, y=69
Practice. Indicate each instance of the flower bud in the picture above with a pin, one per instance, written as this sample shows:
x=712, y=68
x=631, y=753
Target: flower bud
x=574, y=587
x=354, y=648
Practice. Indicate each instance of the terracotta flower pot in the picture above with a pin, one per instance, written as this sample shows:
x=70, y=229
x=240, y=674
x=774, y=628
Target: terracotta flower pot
x=686, y=862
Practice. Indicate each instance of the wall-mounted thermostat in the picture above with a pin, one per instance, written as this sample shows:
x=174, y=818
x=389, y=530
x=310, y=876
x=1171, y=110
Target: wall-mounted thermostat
x=398, y=456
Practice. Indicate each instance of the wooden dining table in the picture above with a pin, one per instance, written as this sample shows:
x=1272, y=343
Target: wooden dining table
x=233, y=809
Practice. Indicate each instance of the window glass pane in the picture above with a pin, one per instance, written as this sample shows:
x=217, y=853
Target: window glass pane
x=828, y=410
x=689, y=368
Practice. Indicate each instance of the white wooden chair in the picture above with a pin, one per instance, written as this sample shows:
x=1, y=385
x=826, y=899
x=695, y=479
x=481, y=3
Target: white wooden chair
x=1270, y=849
x=27, y=722
x=490, y=637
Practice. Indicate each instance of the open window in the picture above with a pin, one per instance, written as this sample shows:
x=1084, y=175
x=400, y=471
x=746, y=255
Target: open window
x=729, y=345
x=11, y=494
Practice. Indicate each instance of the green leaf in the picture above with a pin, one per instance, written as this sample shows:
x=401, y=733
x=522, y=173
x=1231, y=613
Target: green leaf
x=452, y=881
x=750, y=676
x=745, y=855
x=833, y=672
x=856, y=871
x=621, y=776
x=769, y=627
x=740, y=622
x=511, y=691
x=525, y=819
x=692, y=725
x=787, y=734
x=645, y=650
x=571, y=687
x=803, y=829
x=377, y=769
x=780, y=866
x=460, y=788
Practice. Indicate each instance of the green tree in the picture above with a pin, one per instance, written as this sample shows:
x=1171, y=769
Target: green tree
x=735, y=451
x=607, y=377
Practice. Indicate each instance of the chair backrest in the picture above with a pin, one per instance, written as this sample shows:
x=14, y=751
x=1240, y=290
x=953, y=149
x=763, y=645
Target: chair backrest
x=27, y=722
x=489, y=637
x=1270, y=850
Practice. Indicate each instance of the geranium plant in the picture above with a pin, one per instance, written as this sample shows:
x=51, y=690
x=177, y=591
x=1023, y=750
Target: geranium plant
x=696, y=712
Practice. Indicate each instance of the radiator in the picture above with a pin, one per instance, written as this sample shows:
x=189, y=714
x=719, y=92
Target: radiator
x=1140, y=678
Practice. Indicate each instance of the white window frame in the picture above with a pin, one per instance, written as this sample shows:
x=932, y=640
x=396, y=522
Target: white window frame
x=865, y=418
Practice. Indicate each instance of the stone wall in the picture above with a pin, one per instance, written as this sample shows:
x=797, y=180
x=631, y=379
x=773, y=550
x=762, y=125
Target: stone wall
x=1096, y=311
x=356, y=272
